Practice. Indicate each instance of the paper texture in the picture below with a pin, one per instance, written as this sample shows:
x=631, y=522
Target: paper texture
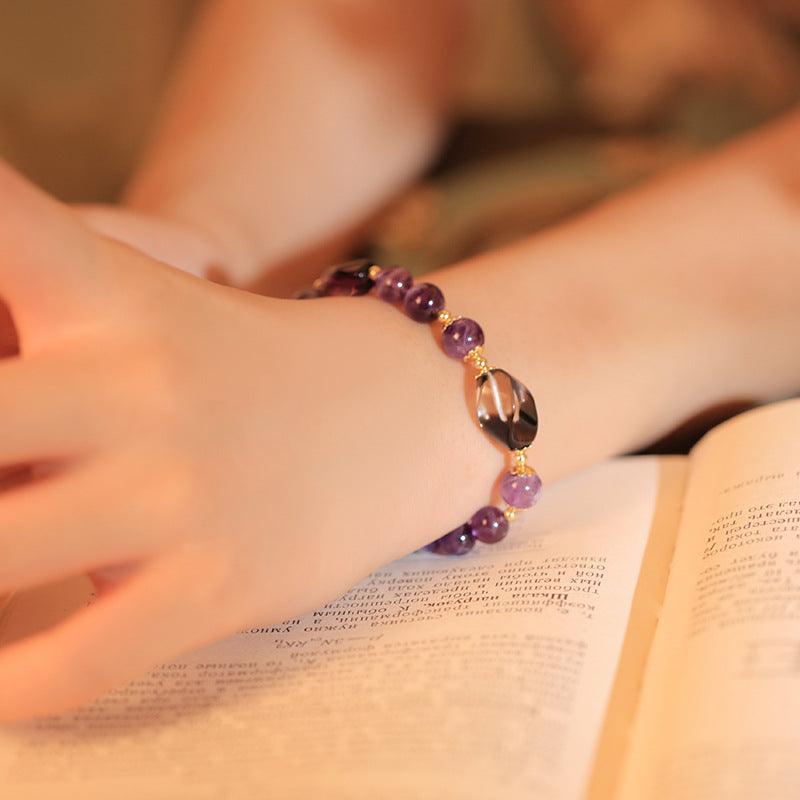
x=486, y=676
x=720, y=710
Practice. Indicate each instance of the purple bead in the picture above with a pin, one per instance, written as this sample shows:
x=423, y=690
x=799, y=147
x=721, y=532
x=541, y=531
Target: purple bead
x=455, y=543
x=520, y=491
x=489, y=525
x=461, y=336
x=348, y=279
x=423, y=302
x=392, y=284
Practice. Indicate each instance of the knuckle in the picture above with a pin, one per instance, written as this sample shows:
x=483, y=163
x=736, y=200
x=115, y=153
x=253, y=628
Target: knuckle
x=167, y=497
x=137, y=389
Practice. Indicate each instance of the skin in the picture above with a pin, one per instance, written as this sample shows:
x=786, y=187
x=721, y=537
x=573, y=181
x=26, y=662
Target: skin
x=244, y=459
x=286, y=126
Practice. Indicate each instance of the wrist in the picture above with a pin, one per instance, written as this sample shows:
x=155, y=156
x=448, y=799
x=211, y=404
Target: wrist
x=385, y=399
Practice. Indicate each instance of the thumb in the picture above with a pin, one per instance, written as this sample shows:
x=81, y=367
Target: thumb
x=46, y=259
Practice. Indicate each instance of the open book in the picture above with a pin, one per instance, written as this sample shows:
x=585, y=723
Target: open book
x=636, y=637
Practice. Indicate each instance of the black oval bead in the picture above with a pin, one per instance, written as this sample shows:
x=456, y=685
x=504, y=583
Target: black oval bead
x=506, y=409
x=348, y=279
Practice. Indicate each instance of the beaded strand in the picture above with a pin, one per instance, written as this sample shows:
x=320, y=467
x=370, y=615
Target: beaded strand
x=505, y=407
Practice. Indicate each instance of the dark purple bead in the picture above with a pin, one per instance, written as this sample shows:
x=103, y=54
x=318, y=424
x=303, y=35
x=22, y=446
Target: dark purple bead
x=489, y=525
x=455, y=543
x=392, y=284
x=520, y=491
x=423, y=302
x=350, y=278
x=461, y=336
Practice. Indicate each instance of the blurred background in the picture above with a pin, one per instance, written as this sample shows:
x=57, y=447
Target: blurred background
x=559, y=103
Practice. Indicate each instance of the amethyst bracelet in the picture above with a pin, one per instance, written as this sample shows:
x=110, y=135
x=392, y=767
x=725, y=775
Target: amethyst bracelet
x=505, y=407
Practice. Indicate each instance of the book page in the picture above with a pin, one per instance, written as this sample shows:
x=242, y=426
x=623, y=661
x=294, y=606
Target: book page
x=642, y=624
x=720, y=710
x=482, y=676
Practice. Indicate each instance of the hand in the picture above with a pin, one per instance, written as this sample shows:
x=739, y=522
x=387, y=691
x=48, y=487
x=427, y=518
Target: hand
x=195, y=250
x=252, y=458
x=188, y=249
x=247, y=458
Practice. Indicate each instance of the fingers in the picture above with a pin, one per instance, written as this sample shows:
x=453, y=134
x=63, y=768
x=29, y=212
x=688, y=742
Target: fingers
x=49, y=407
x=92, y=516
x=163, y=610
x=45, y=256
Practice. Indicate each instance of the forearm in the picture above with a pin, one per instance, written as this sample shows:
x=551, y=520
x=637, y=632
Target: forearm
x=610, y=377
x=624, y=323
x=661, y=303
x=288, y=124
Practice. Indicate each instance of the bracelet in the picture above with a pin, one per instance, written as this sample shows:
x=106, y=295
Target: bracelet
x=505, y=407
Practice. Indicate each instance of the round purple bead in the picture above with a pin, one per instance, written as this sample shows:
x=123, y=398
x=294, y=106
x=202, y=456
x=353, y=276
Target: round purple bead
x=489, y=525
x=455, y=543
x=520, y=491
x=423, y=302
x=461, y=336
x=392, y=284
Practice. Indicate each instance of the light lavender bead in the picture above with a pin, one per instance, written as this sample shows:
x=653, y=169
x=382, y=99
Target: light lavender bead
x=520, y=491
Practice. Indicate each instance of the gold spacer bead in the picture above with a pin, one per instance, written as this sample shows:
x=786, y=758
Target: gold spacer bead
x=519, y=463
x=478, y=360
x=473, y=354
x=446, y=318
x=510, y=513
x=374, y=271
x=476, y=352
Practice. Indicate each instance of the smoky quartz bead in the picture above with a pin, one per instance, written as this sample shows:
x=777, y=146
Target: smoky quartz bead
x=506, y=410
